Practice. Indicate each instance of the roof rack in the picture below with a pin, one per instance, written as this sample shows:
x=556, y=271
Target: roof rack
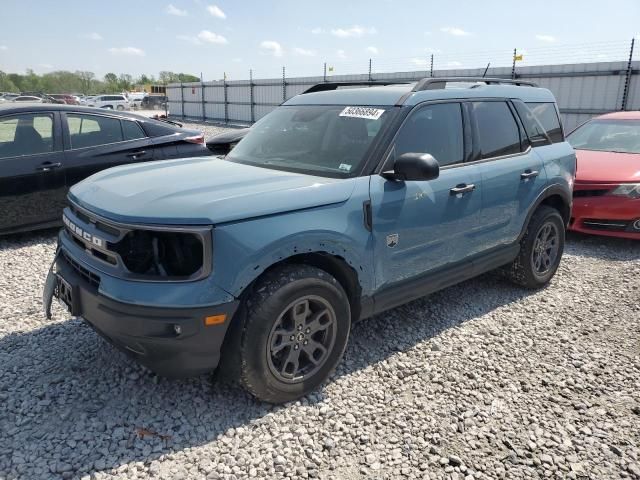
x=436, y=83
x=323, y=87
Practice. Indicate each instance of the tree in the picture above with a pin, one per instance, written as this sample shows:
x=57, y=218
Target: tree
x=86, y=78
x=6, y=85
x=110, y=78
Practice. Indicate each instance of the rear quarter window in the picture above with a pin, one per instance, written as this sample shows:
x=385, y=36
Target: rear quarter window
x=158, y=129
x=547, y=115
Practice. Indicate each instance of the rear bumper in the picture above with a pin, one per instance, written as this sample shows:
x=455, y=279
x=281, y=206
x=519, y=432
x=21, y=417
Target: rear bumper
x=173, y=342
x=606, y=215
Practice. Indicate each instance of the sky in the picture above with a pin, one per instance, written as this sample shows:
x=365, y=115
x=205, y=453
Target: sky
x=218, y=37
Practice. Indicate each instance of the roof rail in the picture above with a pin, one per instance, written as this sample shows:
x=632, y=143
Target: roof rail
x=436, y=83
x=323, y=87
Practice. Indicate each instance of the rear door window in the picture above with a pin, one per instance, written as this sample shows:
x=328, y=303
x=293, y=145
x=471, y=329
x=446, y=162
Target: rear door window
x=547, y=115
x=92, y=130
x=498, y=132
x=27, y=134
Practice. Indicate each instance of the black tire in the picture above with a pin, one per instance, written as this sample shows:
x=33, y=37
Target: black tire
x=120, y=107
x=526, y=270
x=264, y=366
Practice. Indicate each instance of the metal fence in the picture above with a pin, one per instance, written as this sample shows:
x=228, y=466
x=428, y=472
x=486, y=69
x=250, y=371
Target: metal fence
x=581, y=89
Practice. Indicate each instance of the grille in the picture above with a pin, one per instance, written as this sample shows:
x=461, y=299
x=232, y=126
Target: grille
x=99, y=225
x=609, y=225
x=89, y=276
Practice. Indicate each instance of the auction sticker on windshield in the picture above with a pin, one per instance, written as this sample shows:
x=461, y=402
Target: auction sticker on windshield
x=362, y=112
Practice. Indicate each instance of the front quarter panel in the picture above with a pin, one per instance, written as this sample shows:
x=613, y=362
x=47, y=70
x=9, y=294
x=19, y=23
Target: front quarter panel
x=244, y=250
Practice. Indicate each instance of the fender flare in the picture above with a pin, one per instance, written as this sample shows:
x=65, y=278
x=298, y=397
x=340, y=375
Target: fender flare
x=551, y=190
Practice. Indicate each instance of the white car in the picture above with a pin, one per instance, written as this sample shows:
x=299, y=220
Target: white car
x=28, y=98
x=112, y=102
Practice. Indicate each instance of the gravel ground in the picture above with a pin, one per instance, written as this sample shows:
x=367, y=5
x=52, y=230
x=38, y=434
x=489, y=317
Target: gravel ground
x=482, y=380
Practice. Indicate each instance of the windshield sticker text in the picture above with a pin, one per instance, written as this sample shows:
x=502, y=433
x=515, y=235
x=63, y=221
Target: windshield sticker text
x=362, y=112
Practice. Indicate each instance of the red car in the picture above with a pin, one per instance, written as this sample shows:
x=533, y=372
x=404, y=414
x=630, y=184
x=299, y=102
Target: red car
x=68, y=99
x=606, y=194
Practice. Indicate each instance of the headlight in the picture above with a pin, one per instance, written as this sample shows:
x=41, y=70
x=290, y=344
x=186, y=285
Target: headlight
x=631, y=190
x=164, y=254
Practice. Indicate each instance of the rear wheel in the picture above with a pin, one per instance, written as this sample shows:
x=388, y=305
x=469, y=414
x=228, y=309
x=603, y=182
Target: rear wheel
x=541, y=249
x=120, y=107
x=295, y=331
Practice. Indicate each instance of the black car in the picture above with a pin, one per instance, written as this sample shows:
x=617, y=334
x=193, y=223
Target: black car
x=223, y=143
x=46, y=148
x=153, y=102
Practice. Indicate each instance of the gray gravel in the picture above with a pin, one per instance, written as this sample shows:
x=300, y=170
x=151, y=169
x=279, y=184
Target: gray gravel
x=480, y=381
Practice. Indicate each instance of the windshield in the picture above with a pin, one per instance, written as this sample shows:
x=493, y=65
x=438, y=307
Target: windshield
x=621, y=136
x=319, y=140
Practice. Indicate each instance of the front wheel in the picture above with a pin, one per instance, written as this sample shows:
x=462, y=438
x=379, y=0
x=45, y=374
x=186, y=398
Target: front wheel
x=541, y=249
x=120, y=107
x=296, y=327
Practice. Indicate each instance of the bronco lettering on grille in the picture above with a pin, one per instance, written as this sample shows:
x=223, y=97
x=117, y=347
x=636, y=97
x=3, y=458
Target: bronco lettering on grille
x=79, y=232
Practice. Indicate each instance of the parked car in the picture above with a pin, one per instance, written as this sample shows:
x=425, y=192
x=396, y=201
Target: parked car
x=45, y=97
x=68, y=99
x=112, y=102
x=606, y=196
x=29, y=98
x=340, y=204
x=223, y=143
x=154, y=102
x=7, y=97
x=44, y=149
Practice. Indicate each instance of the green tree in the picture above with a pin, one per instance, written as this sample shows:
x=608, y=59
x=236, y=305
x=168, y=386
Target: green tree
x=6, y=85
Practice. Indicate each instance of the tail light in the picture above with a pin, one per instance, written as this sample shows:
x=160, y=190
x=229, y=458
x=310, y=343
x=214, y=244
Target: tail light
x=198, y=139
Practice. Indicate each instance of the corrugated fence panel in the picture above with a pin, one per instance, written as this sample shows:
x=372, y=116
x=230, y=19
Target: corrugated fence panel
x=215, y=111
x=239, y=113
x=582, y=90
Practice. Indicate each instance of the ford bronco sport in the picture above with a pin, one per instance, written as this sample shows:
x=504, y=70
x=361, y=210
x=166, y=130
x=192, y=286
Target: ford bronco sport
x=341, y=203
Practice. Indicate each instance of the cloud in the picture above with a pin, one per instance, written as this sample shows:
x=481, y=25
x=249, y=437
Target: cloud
x=204, y=36
x=432, y=50
x=216, y=11
x=171, y=10
x=128, y=51
x=342, y=55
x=92, y=36
x=304, y=52
x=455, y=31
x=546, y=38
x=4, y=48
x=189, y=38
x=210, y=37
x=373, y=50
x=271, y=47
x=46, y=66
x=317, y=30
x=356, y=31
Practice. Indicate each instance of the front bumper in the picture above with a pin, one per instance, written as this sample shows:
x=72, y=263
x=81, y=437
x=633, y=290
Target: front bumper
x=606, y=215
x=173, y=342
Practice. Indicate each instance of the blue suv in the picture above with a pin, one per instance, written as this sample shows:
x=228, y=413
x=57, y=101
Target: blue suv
x=340, y=204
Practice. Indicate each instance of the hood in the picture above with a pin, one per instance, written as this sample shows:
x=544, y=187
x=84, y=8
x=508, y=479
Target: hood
x=202, y=191
x=607, y=167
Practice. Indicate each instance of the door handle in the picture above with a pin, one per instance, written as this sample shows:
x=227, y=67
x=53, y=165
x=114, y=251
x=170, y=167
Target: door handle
x=137, y=154
x=528, y=173
x=48, y=166
x=462, y=188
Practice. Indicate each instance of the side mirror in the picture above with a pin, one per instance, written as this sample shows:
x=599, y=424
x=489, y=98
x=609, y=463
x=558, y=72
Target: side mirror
x=223, y=143
x=414, y=166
